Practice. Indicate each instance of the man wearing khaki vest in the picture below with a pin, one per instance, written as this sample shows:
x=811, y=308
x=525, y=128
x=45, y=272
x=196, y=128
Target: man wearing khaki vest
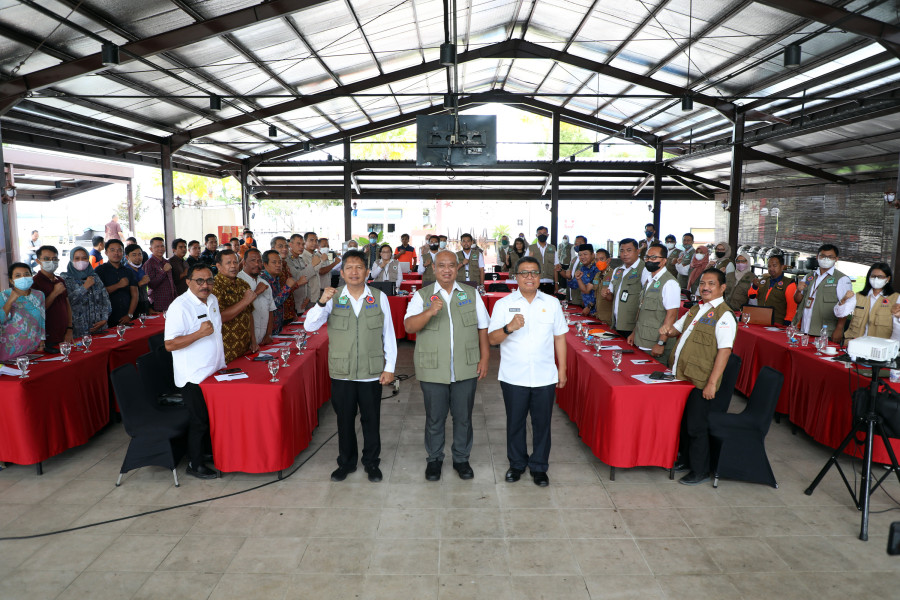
x=470, y=261
x=451, y=355
x=687, y=256
x=624, y=290
x=658, y=306
x=427, y=253
x=821, y=298
x=706, y=337
x=362, y=352
x=674, y=257
x=546, y=255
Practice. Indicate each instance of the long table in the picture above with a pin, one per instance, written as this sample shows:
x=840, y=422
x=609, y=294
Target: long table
x=626, y=423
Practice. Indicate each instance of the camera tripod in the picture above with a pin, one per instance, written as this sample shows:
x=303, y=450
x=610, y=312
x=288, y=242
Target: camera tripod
x=866, y=423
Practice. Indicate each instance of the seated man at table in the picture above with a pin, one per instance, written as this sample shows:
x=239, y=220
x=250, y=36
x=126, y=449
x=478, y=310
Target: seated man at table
x=658, y=306
x=582, y=277
x=777, y=290
x=58, y=324
x=823, y=299
x=236, y=301
x=281, y=288
x=194, y=337
x=264, y=305
x=362, y=352
x=121, y=284
x=706, y=333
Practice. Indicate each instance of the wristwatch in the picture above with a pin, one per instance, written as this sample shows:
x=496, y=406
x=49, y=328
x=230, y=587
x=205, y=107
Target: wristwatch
x=506, y=331
x=660, y=343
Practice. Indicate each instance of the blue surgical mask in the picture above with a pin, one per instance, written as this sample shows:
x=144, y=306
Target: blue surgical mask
x=443, y=244
x=23, y=283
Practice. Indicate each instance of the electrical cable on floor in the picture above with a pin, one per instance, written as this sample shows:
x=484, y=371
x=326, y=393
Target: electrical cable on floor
x=159, y=510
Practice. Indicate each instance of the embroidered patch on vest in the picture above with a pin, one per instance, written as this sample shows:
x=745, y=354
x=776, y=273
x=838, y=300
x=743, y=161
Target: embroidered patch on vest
x=461, y=295
x=829, y=280
x=656, y=284
x=342, y=301
x=370, y=300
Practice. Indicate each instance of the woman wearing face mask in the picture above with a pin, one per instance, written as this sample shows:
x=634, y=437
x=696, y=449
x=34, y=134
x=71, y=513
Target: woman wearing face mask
x=87, y=294
x=603, y=308
x=875, y=306
x=517, y=252
x=722, y=261
x=699, y=263
x=387, y=268
x=738, y=294
x=21, y=315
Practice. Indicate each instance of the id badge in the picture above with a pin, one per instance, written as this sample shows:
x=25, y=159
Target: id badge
x=623, y=297
x=809, y=302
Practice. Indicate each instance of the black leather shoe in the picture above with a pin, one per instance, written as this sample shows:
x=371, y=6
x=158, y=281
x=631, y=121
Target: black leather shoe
x=513, y=474
x=540, y=478
x=679, y=466
x=201, y=471
x=374, y=474
x=341, y=473
x=465, y=471
x=694, y=478
x=433, y=470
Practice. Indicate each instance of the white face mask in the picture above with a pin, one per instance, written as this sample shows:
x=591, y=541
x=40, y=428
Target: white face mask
x=323, y=250
x=49, y=265
x=81, y=265
x=670, y=245
x=878, y=282
x=826, y=263
x=742, y=266
x=565, y=239
x=701, y=255
x=443, y=244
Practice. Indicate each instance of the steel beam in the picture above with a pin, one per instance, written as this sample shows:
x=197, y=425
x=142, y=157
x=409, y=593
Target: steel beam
x=658, y=187
x=554, y=183
x=245, y=195
x=168, y=192
x=80, y=188
x=735, y=182
x=753, y=154
x=347, y=189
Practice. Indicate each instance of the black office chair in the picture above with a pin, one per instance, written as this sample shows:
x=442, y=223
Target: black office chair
x=157, y=435
x=737, y=441
x=498, y=287
x=720, y=403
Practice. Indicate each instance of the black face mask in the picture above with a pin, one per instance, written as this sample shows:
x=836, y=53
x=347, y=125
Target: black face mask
x=648, y=233
x=542, y=238
x=720, y=254
x=653, y=267
x=434, y=247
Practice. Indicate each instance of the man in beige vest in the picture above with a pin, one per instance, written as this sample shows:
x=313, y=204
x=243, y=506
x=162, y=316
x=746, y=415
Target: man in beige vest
x=625, y=288
x=427, y=255
x=546, y=255
x=471, y=262
x=706, y=337
x=362, y=352
x=658, y=305
x=823, y=299
x=452, y=352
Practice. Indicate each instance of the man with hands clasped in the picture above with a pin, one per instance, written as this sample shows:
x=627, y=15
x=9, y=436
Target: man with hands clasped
x=531, y=330
x=362, y=352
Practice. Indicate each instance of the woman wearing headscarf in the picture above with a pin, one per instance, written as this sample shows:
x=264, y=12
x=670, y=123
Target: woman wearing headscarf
x=698, y=264
x=87, y=294
x=724, y=263
x=738, y=294
x=22, y=316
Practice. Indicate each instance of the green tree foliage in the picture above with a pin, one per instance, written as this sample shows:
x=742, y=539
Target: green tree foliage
x=139, y=207
x=396, y=144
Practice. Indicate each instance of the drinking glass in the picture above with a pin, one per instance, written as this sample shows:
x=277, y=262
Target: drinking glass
x=791, y=335
x=86, y=340
x=819, y=345
x=23, y=362
x=617, y=360
x=285, y=354
x=804, y=340
x=66, y=349
x=413, y=290
x=565, y=305
x=120, y=330
x=273, y=369
x=578, y=328
x=142, y=317
x=597, y=344
x=745, y=317
x=300, y=343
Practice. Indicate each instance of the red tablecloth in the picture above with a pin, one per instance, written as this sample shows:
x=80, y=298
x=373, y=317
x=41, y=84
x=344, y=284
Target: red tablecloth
x=398, y=313
x=760, y=348
x=491, y=298
x=136, y=344
x=260, y=427
x=626, y=423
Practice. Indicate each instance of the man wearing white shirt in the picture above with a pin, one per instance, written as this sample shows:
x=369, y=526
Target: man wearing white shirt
x=451, y=355
x=264, y=305
x=707, y=333
x=531, y=330
x=194, y=337
x=362, y=353
x=625, y=287
x=471, y=262
x=658, y=307
x=822, y=298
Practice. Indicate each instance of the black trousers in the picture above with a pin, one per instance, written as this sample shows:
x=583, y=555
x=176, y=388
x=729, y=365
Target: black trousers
x=346, y=398
x=198, y=423
x=694, y=443
x=520, y=401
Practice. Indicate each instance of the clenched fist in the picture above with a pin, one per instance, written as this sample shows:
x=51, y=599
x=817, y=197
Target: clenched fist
x=206, y=328
x=167, y=267
x=327, y=294
x=249, y=296
x=518, y=322
x=436, y=307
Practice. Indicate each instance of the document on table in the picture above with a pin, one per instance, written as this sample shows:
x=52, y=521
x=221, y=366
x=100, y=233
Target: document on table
x=645, y=378
x=60, y=357
x=772, y=329
x=639, y=361
x=232, y=376
x=610, y=348
x=4, y=370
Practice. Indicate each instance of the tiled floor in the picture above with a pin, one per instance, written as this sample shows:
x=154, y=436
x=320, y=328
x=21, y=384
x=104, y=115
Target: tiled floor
x=641, y=536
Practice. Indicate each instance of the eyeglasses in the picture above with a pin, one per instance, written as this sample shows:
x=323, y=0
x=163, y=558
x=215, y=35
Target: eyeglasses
x=201, y=281
x=529, y=273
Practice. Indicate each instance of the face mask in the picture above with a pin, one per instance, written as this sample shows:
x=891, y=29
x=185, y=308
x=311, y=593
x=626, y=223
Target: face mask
x=720, y=254
x=352, y=248
x=81, y=265
x=648, y=233
x=602, y=264
x=433, y=247
x=443, y=244
x=49, y=265
x=877, y=282
x=742, y=266
x=23, y=283
x=542, y=238
x=687, y=246
x=670, y=245
x=653, y=267
x=700, y=256
x=324, y=250
x=136, y=266
x=826, y=263
x=504, y=243
x=373, y=241
x=565, y=239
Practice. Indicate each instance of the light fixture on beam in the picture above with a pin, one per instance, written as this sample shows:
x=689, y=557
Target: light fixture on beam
x=215, y=102
x=306, y=146
x=687, y=103
x=596, y=147
x=792, y=55
x=448, y=101
x=448, y=54
x=546, y=186
x=109, y=54
x=273, y=131
x=57, y=185
x=629, y=132
x=572, y=158
x=355, y=185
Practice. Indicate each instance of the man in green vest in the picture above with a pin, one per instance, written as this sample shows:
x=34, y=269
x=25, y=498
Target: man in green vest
x=687, y=256
x=362, y=352
x=471, y=262
x=546, y=255
x=658, y=306
x=674, y=256
x=452, y=351
x=706, y=337
x=820, y=297
x=426, y=259
x=624, y=290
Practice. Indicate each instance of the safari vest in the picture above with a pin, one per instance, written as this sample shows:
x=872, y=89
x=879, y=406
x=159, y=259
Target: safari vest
x=474, y=270
x=737, y=294
x=514, y=261
x=672, y=259
x=501, y=256
x=355, y=344
x=698, y=355
x=432, y=354
x=627, y=283
x=652, y=314
x=565, y=253
x=878, y=318
x=686, y=257
x=722, y=264
x=428, y=262
x=390, y=272
x=603, y=308
x=823, y=303
x=774, y=296
x=548, y=269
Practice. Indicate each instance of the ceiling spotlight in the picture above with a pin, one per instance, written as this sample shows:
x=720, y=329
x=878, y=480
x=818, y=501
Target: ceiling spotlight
x=215, y=102
x=572, y=158
x=629, y=132
x=448, y=54
x=330, y=158
x=273, y=131
x=687, y=103
x=109, y=54
x=57, y=185
x=306, y=146
x=792, y=55
x=448, y=100
x=596, y=147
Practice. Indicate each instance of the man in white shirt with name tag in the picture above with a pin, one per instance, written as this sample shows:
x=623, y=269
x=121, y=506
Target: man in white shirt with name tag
x=531, y=330
x=194, y=337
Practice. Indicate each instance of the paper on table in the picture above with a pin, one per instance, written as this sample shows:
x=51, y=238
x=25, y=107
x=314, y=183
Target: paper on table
x=232, y=376
x=106, y=337
x=60, y=357
x=772, y=329
x=645, y=378
x=610, y=348
x=4, y=370
x=640, y=361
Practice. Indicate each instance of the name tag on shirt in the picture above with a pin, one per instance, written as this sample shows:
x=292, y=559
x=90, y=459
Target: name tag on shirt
x=515, y=310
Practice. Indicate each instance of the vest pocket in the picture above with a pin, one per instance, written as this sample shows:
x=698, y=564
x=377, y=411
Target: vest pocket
x=338, y=362
x=340, y=322
x=473, y=354
x=425, y=360
x=469, y=318
x=376, y=321
x=376, y=363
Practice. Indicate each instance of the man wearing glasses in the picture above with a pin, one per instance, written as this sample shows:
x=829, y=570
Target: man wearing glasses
x=194, y=337
x=657, y=306
x=530, y=328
